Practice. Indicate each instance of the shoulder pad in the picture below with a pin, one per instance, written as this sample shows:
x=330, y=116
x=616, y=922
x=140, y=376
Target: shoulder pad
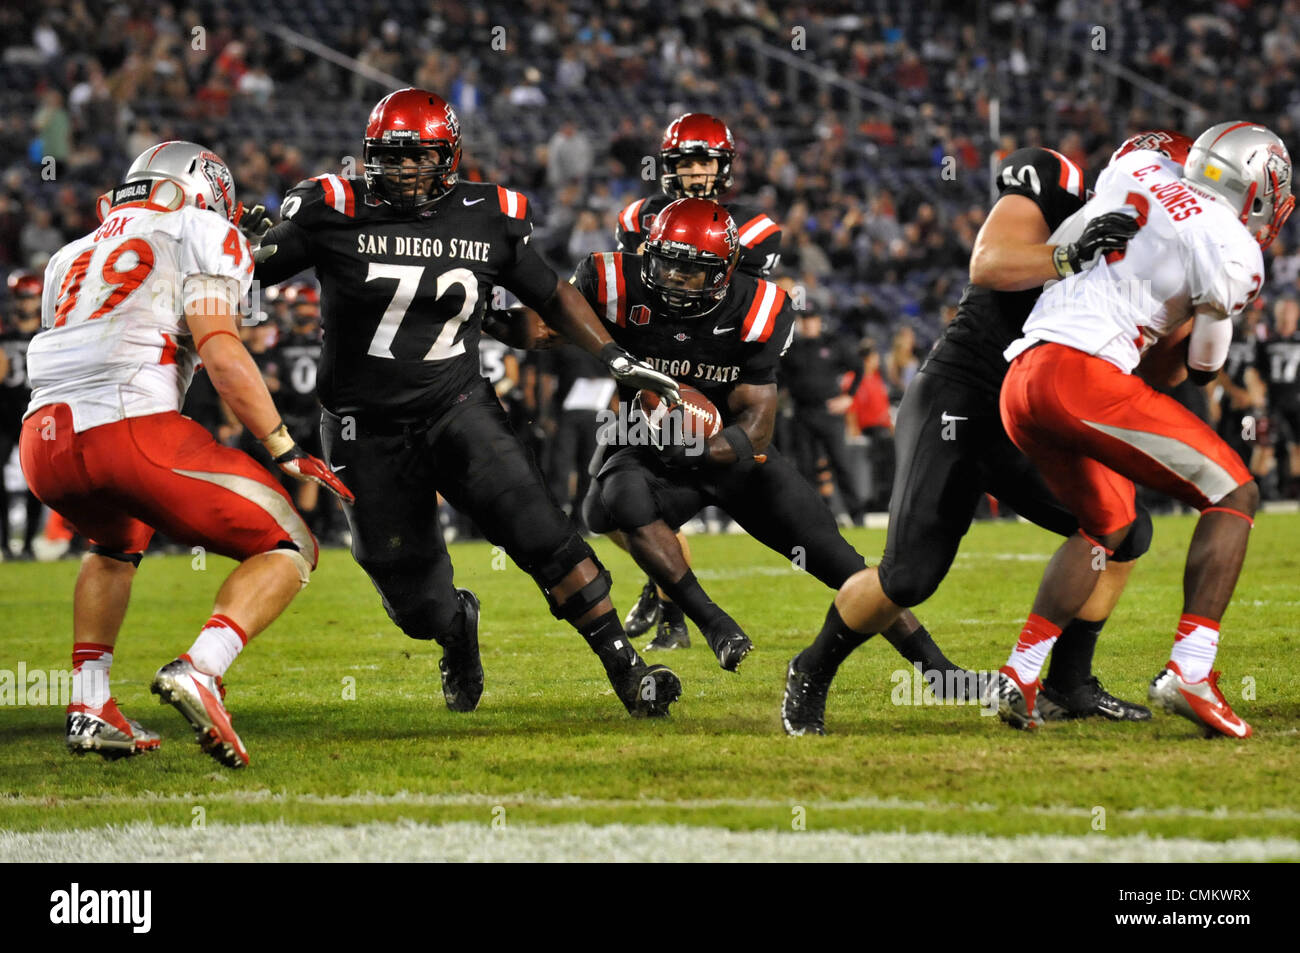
x=321, y=199
x=608, y=270
x=1039, y=171
x=754, y=227
x=766, y=302
x=629, y=220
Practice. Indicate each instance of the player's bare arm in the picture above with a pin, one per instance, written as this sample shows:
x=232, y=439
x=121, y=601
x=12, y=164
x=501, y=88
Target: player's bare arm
x=755, y=408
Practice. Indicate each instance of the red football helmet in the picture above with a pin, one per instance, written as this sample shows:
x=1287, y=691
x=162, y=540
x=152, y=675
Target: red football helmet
x=1170, y=144
x=412, y=124
x=690, y=256
x=696, y=136
x=25, y=284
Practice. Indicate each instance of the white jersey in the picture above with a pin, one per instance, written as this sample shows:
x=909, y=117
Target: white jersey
x=1191, y=253
x=115, y=343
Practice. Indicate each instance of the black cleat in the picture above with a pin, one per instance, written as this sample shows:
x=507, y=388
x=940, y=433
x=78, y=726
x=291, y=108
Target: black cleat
x=1086, y=701
x=671, y=635
x=461, y=668
x=729, y=643
x=647, y=691
x=647, y=612
x=803, y=708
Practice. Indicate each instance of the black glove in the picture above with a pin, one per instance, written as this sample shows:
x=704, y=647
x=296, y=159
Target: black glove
x=1104, y=234
x=633, y=373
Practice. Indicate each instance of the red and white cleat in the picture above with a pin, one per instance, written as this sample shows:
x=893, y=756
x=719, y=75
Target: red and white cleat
x=1016, y=704
x=1199, y=702
x=106, y=731
x=198, y=697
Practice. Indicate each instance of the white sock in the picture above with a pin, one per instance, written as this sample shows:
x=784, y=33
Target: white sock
x=1195, y=646
x=1030, y=654
x=218, y=645
x=90, y=665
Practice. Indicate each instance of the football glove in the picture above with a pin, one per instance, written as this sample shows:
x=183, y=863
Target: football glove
x=1104, y=234
x=629, y=371
x=255, y=223
x=301, y=465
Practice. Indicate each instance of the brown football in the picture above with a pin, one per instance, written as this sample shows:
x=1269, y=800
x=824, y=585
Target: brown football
x=699, y=415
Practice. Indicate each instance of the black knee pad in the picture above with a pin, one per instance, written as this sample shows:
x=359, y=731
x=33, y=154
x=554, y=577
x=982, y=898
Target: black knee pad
x=132, y=558
x=552, y=570
x=1138, y=540
x=908, y=583
x=626, y=498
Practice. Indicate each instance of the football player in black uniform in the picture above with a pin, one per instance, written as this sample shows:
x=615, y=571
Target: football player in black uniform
x=952, y=448
x=1244, y=394
x=406, y=261
x=680, y=307
x=297, y=354
x=695, y=159
x=1278, y=362
x=15, y=392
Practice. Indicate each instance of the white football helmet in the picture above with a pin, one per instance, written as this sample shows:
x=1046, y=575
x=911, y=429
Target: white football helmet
x=173, y=174
x=1248, y=167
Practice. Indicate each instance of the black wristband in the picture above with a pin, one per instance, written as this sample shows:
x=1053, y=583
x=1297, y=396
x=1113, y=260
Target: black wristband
x=740, y=442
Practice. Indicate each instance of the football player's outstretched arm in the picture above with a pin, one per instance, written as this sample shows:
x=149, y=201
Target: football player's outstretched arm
x=238, y=382
x=284, y=251
x=755, y=408
x=520, y=327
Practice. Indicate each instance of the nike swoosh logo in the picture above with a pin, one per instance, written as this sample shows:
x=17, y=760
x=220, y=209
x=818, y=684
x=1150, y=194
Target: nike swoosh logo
x=336, y=469
x=471, y=201
x=723, y=330
x=948, y=418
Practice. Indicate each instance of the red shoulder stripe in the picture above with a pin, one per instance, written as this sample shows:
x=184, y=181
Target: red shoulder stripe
x=760, y=320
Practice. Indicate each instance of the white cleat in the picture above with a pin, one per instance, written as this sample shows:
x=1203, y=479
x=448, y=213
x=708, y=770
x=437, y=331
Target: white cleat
x=1016, y=704
x=1199, y=702
x=107, y=732
x=198, y=696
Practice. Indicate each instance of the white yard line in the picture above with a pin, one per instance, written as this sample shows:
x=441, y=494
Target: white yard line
x=422, y=799
x=463, y=841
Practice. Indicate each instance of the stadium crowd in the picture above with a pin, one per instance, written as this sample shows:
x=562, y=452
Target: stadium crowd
x=863, y=128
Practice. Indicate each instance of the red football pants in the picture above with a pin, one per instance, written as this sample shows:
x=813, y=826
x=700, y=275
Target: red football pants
x=119, y=482
x=1093, y=430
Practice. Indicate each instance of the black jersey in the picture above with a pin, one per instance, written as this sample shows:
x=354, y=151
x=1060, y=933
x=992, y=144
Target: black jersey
x=298, y=356
x=15, y=388
x=989, y=321
x=1278, y=361
x=403, y=294
x=760, y=237
x=739, y=342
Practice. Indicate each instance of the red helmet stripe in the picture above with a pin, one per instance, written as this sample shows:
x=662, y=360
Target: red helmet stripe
x=761, y=317
x=630, y=218
x=757, y=230
x=1237, y=125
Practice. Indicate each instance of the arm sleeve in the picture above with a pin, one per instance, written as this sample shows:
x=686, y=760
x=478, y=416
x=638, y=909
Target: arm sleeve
x=1211, y=337
x=1046, y=178
x=761, y=366
x=292, y=253
x=526, y=275
x=215, y=261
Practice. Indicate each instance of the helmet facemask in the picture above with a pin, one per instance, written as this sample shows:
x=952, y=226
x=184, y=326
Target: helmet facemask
x=410, y=176
x=687, y=283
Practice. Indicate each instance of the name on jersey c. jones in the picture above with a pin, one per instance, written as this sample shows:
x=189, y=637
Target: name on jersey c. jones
x=415, y=247
x=713, y=373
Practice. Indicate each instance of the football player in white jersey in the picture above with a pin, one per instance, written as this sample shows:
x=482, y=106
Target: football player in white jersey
x=1072, y=403
x=128, y=312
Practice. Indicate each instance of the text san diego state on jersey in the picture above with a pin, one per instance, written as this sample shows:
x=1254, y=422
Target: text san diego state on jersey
x=760, y=237
x=988, y=321
x=403, y=294
x=740, y=342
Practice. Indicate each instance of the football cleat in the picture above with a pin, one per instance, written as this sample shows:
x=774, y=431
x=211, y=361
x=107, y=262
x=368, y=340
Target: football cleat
x=729, y=643
x=1016, y=704
x=198, y=697
x=803, y=707
x=670, y=635
x=1087, y=700
x=647, y=612
x=460, y=666
x=647, y=691
x=1199, y=702
x=106, y=731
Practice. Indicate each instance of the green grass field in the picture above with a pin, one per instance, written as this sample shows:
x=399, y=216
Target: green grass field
x=550, y=766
